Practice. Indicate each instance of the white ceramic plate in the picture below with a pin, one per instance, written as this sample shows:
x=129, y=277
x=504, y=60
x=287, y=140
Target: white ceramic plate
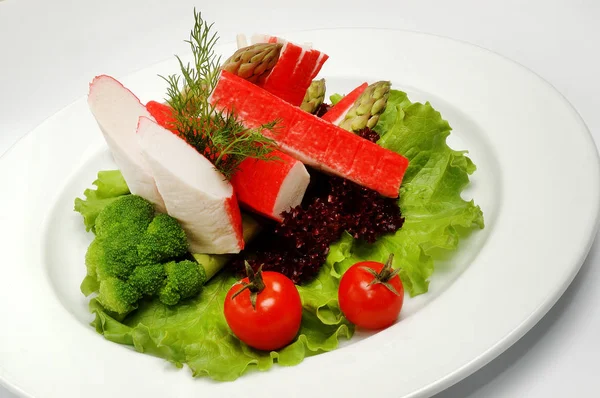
x=537, y=183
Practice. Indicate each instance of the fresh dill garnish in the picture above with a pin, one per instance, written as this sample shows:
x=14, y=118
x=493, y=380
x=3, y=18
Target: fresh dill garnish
x=217, y=135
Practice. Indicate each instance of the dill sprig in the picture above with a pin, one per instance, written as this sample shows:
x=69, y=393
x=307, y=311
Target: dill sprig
x=217, y=135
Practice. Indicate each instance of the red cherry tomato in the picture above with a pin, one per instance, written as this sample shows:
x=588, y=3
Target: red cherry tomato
x=274, y=320
x=371, y=294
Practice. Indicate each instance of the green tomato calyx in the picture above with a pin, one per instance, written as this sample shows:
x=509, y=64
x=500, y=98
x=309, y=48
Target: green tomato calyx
x=255, y=286
x=386, y=274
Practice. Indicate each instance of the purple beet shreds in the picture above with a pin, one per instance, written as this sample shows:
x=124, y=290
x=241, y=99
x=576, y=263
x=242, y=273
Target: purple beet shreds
x=322, y=109
x=299, y=245
x=368, y=134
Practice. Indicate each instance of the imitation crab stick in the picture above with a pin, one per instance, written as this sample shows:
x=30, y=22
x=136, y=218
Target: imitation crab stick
x=117, y=111
x=268, y=187
x=310, y=139
x=271, y=187
x=295, y=70
x=337, y=112
x=195, y=193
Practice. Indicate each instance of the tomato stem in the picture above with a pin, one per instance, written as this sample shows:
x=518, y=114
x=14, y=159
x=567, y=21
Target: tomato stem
x=255, y=286
x=387, y=273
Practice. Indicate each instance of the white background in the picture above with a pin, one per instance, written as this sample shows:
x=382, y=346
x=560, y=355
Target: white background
x=50, y=49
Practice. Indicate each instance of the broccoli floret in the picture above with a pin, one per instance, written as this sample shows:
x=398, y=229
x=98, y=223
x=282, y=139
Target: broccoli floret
x=128, y=214
x=126, y=260
x=118, y=296
x=94, y=257
x=184, y=280
x=120, y=253
x=148, y=279
x=164, y=239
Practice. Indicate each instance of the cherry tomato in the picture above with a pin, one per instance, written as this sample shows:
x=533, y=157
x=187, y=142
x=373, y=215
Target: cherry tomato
x=273, y=320
x=371, y=294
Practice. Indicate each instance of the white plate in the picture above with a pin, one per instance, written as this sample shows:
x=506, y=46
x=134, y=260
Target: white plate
x=537, y=183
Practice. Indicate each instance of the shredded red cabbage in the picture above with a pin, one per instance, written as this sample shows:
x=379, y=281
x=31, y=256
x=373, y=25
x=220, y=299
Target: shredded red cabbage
x=299, y=245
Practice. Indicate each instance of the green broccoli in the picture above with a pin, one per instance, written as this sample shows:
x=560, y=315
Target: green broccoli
x=135, y=252
x=184, y=280
x=118, y=296
x=163, y=237
x=148, y=279
x=130, y=215
x=125, y=260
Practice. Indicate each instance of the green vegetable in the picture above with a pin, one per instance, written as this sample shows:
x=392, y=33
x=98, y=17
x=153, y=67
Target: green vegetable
x=225, y=141
x=314, y=96
x=368, y=107
x=429, y=196
x=164, y=236
x=118, y=296
x=254, y=62
x=125, y=260
x=148, y=280
x=183, y=281
x=110, y=185
x=335, y=98
x=194, y=332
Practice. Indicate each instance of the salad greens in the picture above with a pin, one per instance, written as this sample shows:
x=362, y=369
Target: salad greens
x=109, y=186
x=429, y=196
x=195, y=331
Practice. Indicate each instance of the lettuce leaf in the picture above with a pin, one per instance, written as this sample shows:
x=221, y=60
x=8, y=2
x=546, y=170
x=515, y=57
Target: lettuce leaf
x=195, y=332
x=430, y=200
x=110, y=184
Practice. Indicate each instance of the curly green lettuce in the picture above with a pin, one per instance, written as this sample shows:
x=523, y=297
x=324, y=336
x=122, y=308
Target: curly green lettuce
x=195, y=332
x=110, y=185
x=430, y=196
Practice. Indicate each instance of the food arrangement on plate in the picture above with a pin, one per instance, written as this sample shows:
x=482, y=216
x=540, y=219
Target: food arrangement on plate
x=250, y=222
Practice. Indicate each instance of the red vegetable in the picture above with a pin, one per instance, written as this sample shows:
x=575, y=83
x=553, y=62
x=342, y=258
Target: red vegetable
x=264, y=310
x=371, y=294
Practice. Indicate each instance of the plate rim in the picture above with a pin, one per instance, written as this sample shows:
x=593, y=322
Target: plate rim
x=501, y=345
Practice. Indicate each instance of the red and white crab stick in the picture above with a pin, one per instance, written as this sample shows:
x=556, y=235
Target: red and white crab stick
x=117, y=111
x=295, y=70
x=195, y=193
x=265, y=187
x=310, y=139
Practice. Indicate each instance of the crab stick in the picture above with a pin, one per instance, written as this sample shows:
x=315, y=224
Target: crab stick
x=195, y=193
x=295, y=70
x=337, y=112
x=117, y=111
x=310, y=139
x=268, y=187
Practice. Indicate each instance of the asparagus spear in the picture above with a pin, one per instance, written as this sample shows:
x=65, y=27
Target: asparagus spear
x=314, y=96
x=368, y=107
x=254, y=62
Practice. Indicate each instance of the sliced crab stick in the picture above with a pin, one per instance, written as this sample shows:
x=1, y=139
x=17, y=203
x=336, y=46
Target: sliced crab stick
x=268, y=187
x=271, y=187
x=295, y=70
x=310, y=139
x=117, y=111
x=337, y=112
x=195, y=193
